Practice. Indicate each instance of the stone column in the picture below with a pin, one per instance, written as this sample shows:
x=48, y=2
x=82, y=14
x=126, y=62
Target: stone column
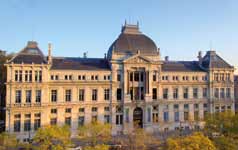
x=191, y=112
x=171, y=113
x=181, y=113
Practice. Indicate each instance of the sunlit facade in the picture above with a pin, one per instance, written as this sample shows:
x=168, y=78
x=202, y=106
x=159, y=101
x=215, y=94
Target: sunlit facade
x=131, y=86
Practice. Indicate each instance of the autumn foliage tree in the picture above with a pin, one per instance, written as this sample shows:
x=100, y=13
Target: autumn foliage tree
x=52, y=138
x=196, y=141
x=96, y=134
x=7, y=141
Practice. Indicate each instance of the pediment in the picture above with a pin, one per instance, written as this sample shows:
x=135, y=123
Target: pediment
x=137, y=59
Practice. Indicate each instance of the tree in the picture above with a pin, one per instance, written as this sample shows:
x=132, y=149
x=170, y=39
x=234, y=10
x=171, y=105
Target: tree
x=225, y=123
x=97, y=147
x=95, y=134
x=52, y=137
x=7, y=141
x=196, y=141
x=225, y=143
x=138, y=139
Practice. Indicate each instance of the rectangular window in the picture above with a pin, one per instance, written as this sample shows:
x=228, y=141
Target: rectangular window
x=81, y=110
x=94, y=109
x=216, y=93
x=165, y=93
x=53, y=95
x=106, y=109
x=166, y=116
x=16, y=75
x=136, y=76
x=119, y=119
x=26, y=76
x=106, y=118
x=66, y=77
x=196, y=115
x=68, y=110
x=28, y=96
x=154, y=76
x=38, y=96
x=119, y=94
x=67, y=95
x=81, y=121
x=27, y=122
x=176, y=116
x=68, y=121
x=175, y=93
x=228, y=93
x=20, y=76
x=17, y=123
x=106, y=94
x=53, y=121
x=37, y=123
x=81, y=94
x=222, y=93
x=154, y=96
x=204, y=92
x=195, y=92
x=94, y=118
x=94, y=94
x=118, y=77
x=18, y=96
x=185, y=93
x=155, y=117
x=53, y=111
x=186, y=116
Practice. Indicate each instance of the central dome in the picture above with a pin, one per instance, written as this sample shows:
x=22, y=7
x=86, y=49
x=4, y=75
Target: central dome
x=131, y=40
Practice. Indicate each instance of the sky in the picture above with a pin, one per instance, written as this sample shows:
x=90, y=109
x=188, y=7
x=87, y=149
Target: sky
x=180, y=28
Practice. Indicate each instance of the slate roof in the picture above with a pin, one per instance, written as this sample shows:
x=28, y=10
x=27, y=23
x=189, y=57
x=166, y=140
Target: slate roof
x=30, y=54
x=212, y=60
x=74, y=63
x=131, y=40
x=182, y=66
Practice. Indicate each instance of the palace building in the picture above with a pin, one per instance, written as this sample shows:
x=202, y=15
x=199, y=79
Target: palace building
x=131, y=86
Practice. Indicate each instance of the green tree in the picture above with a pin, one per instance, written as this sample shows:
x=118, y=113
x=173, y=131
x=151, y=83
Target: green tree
x=7, y=141
x=52, y=138
x=95, y=134
x=196, y=141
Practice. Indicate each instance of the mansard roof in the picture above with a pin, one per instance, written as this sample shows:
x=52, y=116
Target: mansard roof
x=212, y=60
x=182, y=66
x=76, y=63
x=30, y=54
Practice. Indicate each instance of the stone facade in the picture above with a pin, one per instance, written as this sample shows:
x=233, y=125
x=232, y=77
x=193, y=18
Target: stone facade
x=130, y=87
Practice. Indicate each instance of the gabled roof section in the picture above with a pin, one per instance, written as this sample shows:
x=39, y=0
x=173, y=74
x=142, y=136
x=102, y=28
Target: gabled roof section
x=137, y=59
x=182, y=66
x=30, y=54
x=212, y=60
x=76, y=63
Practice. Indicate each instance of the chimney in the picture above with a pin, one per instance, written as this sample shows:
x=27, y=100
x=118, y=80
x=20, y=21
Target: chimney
x=49, y=54
x=166, y=58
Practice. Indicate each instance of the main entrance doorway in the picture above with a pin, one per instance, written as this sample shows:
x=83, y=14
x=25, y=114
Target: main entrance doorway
x=138, y=117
